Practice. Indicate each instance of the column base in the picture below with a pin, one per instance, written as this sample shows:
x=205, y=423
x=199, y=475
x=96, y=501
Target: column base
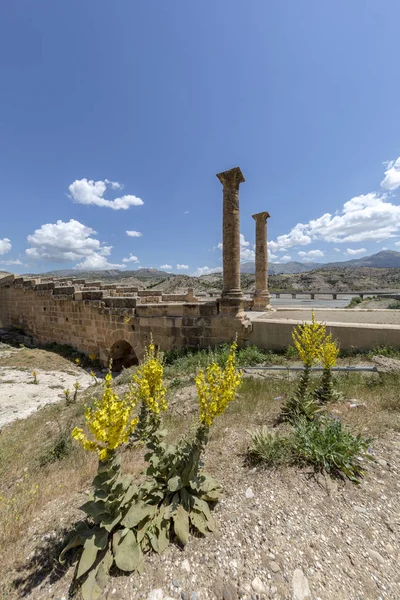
x=261, y=302
x=233, y=294
x=231, y=306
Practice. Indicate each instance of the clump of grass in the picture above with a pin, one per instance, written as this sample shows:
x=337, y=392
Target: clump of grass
x=395, y=305
x=388, y=351
x=354, y=302
x=60, y=449
x=270, y=448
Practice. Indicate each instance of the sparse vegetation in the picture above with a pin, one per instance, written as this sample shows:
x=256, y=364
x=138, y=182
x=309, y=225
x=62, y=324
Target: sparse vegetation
x=354, y=302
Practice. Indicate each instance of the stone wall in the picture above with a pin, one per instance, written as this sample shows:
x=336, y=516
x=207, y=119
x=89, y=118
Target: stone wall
x=90, y=317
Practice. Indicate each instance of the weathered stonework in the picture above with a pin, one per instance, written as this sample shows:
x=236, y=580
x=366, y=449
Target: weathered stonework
x=114, y=326
x=261, y=294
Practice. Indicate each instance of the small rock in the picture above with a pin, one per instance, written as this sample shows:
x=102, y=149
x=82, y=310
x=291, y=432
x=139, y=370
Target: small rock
x=229, y=592
x=249, y=493
x=274, y=566
x=389, y=548
x=176, y=583
x=381, y=462
x=185, y=565
x=301, y=589
x=376, y=557
x=193, y=596
x=258, y=586
x=360, y=509
x=156, y=595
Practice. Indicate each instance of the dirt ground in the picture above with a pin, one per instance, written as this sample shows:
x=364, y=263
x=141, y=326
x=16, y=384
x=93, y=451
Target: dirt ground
x=286, y=534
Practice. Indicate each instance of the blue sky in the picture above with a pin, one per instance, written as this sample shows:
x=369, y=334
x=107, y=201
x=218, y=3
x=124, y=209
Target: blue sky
x=115, y=117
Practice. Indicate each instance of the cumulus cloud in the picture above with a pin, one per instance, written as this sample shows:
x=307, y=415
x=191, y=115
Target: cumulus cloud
x=311, y=254
x=134, y=233
x=130, y=258
x=391, y=181
x=96, y=262
x=206, y=271
x=64, y=242
x=5, y=246
x=166, y=267
x=355, y=251
x=337, y=249
x=84, y=191
x=286, y=258
x=182, y=267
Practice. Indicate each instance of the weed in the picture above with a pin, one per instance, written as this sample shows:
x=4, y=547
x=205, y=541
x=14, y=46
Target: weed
x=327, y=446
x=60, y=448
x=395, y=305
x=270, y=448
x=354, y=302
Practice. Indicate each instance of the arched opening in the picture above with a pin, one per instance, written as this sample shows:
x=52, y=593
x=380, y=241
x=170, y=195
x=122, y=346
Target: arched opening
x=122, y=355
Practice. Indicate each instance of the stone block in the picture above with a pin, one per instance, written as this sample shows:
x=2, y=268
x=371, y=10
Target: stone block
x=63, y=290
x=88, y=295
x=118, y=302
x=44, y=286
x=208, y=309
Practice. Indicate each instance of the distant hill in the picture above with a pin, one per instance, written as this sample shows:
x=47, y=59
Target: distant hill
x=386, y=259
x=114, y=274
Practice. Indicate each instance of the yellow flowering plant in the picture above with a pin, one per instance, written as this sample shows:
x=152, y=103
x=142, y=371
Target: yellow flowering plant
x=329, y=353
x=217, y=387
x=109, y=421
x=105, y=535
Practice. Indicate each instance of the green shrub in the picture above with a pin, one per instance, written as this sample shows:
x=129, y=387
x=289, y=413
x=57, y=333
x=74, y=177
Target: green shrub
x=59, y=449
x=299, y=406
x=327, y=446
x=386, y=351
x=354, y=302
x=395, y=305
x=291, y=352
x=270, y=448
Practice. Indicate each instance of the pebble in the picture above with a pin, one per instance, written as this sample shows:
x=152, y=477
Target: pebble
x=156, y=595
x=258, y=586
x=381, y=462
x=176, y=583
x=185, y=565
x=249, y=493
x=274, y=566
x=193, y=596
x=376, y=557
x=301, y=589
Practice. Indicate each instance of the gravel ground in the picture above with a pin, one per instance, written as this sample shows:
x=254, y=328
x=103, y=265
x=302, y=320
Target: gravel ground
x=282, y=535
x=20, y=397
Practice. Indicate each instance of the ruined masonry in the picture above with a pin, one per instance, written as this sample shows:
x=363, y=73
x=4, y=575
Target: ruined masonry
x=113, y=321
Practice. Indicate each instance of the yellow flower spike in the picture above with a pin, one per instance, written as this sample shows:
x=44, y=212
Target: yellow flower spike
x=216, y=387
x=308, y=339
x=147, y=383
x=329, y=352
x=109, y=421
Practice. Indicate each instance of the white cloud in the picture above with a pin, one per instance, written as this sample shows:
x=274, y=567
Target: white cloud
x=397, y=243
x=353, y=252
x=84, y=191
x=311, y=254
x=134, y=233
x=166, y=267
x=286, y=257
x=186, y=212
x=130, y=258
x=67, y=242
x=337, y=249
x=96, y=262
x=391, y=180
x=10, y=262
x=5, y=246
x=182, y=267
x=206, y=271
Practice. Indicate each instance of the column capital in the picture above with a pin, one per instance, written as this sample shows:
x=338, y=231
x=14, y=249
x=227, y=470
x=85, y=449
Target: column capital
x=232, y=178
x=261, y=216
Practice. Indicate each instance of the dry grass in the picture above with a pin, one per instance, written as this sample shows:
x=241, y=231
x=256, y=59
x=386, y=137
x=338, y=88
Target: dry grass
x=34, y=358
x=37, y=500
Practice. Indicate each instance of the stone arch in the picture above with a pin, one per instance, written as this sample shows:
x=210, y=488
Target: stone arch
x=123, y=355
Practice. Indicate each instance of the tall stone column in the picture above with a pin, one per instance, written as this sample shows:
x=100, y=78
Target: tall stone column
x=261, y=295
x=231, y=233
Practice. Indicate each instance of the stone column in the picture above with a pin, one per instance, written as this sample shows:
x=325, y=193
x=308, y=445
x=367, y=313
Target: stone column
x=261, y=295
x=231, y=233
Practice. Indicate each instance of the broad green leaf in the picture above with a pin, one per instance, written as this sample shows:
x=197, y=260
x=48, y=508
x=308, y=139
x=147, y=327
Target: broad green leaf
x=137, y=513
x=129, y=494
x=97, y=541
x=163, y=536
x=76, y=541
x=174, y=484
x=199, y=522
x=181, y=525
x=128, y=554
x=94, y=508
x=93, y=586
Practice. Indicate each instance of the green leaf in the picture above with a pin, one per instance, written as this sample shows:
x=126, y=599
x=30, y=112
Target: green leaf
x=128, y=554
x=137, y=513
x=93, y=587
x=199, y=522
x=75, y=542
x=129, y=494
x=163, y=536
x=181, y=525
x=174, y=484
x=97, y=541
x=94, y=508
